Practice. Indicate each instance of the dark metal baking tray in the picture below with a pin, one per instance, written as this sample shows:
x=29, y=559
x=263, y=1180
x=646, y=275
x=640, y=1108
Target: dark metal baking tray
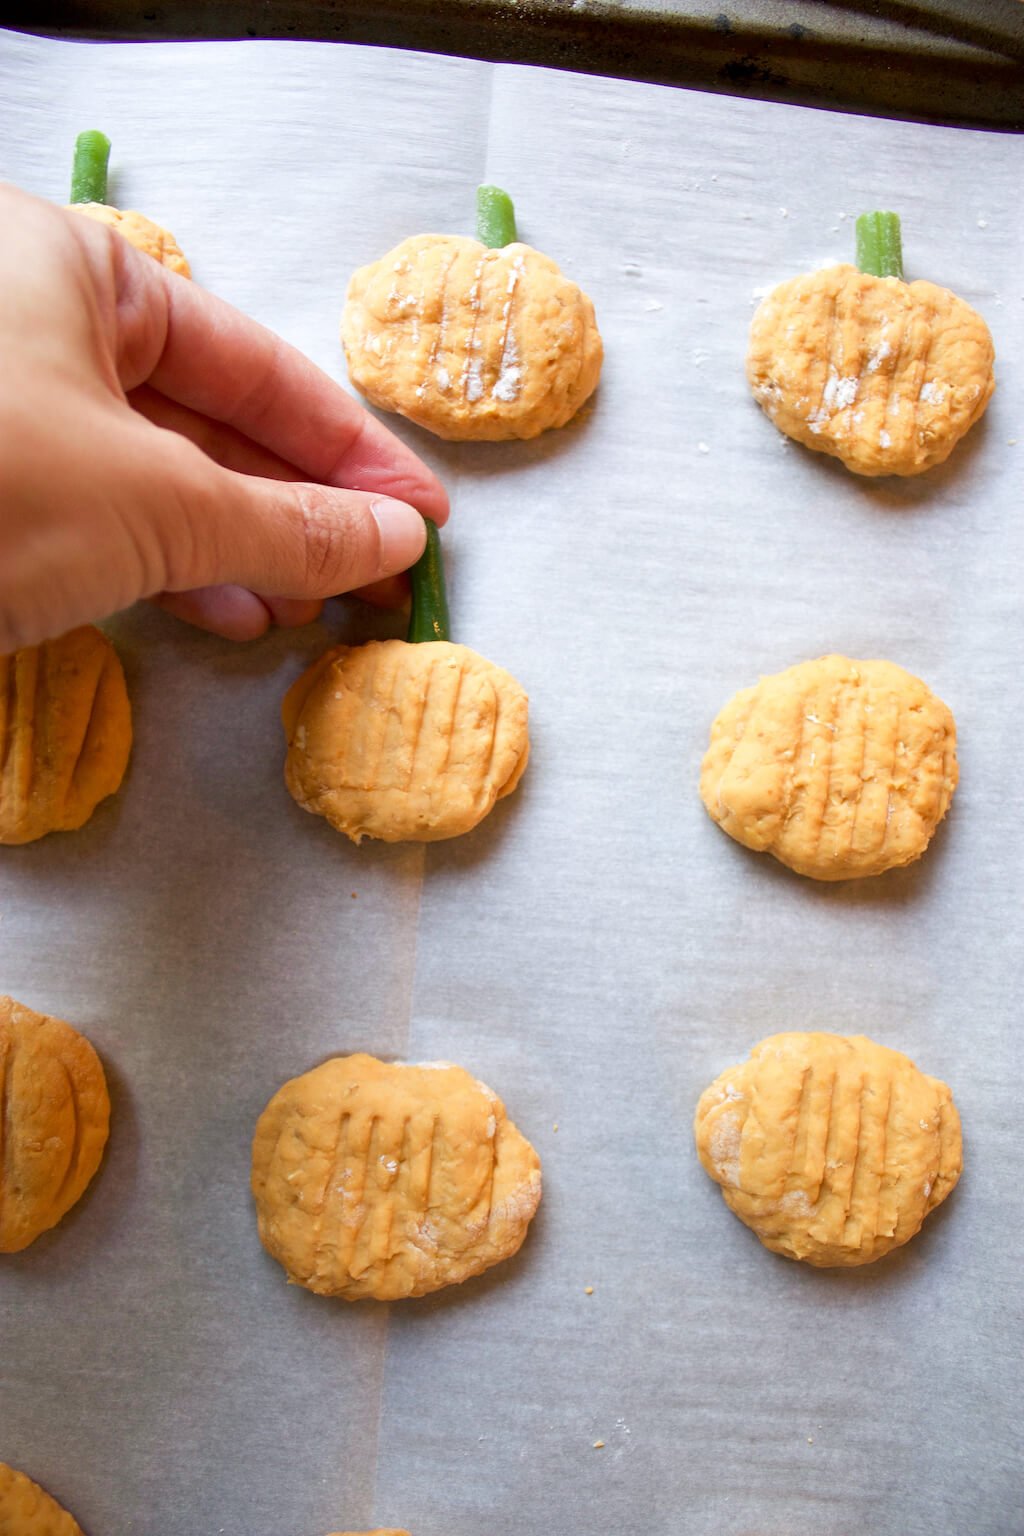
x=950, y=61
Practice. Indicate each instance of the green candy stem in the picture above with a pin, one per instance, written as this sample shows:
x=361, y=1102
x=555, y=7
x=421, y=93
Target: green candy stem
x=89, y=169
x=880, y=245
x=429, y=617
x=495, y=217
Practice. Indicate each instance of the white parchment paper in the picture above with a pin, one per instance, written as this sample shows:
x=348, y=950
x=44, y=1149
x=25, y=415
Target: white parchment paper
x=597, y=951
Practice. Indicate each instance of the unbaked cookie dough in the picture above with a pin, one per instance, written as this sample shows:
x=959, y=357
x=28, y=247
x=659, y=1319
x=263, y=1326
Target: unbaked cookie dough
x=837, y=768
x=885, y=375
x=89, y=197
x=471, y=342
x=831, y=1148
x=139, y=231
x=65, y=733
x=404, y=742
x=379, y=1180
x=26, y=1510
x=54, y=1119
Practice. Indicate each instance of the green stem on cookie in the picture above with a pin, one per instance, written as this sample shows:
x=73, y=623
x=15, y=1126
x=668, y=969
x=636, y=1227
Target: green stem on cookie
x=429, y=617
x=89, y=168
x=495, y=217
x=880, y=245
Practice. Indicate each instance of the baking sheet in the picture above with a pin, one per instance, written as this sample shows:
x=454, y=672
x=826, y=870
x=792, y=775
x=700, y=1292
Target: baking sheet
x=597, y=950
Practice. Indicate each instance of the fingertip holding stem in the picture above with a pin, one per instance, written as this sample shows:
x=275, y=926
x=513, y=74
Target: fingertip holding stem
x=402, y=532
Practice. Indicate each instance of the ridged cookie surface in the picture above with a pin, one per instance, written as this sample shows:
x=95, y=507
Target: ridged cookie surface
x=65, y=733
x=470, y=342
x=26, y=1510
x=139, y=231
x=831, y=1148
x=837, y=768
x=54, y=1118
x=885, y=375
x=382, y=1180
x=404, y=742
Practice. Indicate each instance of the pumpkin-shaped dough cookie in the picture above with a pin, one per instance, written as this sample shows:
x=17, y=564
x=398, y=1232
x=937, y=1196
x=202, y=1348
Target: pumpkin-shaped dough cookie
x=54, y=1118
x=471, y=341
x=383, y=1180
x=837, y=768
x=88, y=197
x=65, y=733
x=404, y=742
x=831, y=1148
x=885, y=375
x=27, y=1510
x=150, y=238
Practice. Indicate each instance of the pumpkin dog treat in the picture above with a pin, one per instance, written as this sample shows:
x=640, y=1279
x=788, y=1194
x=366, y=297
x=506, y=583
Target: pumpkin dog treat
x=383, y=1180
x=65, y=733
x=406, y=740
x=837, y=768
x=472, y=338
x=885, y=375
x=26, y=1510
x=831, y=1148
x=54, y=1118
x=88, y=196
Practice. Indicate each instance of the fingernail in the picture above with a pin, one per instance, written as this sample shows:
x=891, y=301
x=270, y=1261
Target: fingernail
x=403, y=535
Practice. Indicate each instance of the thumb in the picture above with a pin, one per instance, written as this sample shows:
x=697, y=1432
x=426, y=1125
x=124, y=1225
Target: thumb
x=291, y=539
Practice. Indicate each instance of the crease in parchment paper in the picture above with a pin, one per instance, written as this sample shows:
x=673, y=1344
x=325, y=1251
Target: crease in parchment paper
x=452, y=478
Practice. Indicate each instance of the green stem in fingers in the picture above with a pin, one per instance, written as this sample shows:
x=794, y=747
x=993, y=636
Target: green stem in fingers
x=89, y=168
x=880, y=245
x=429, y=617
x=495, y=217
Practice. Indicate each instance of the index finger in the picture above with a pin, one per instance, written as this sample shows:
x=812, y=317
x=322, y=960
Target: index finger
x=201, y=352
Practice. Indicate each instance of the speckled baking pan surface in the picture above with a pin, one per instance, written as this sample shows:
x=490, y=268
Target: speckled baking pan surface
x=597, y=950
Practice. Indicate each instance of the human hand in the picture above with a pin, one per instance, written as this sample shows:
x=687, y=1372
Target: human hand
x=154, y=442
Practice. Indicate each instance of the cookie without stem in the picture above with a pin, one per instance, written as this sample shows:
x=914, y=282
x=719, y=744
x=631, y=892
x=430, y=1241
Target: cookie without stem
x=65, y=733
x=54, y=1120
x=831, y=1148
x=28, y=1510
x=379, y=1180
x=837, y=768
